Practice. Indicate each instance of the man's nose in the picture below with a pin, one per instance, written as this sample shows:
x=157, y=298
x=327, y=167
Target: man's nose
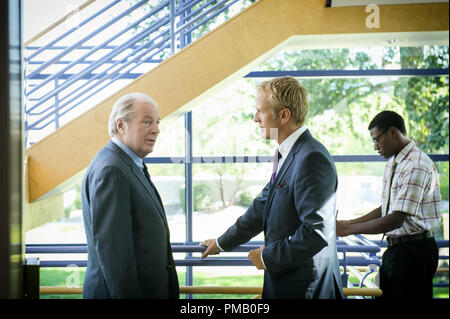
x=155, y=129
x=255, y=118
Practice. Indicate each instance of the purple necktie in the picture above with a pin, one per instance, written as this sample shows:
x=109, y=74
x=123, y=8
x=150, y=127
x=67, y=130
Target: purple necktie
x=276, y=157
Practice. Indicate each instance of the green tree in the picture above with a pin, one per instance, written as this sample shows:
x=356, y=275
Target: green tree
x=422, y=100
x=425, y=99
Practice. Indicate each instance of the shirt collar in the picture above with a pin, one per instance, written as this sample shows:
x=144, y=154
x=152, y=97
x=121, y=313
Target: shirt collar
x=404, y=152
x=285, y=147
x=136, y=159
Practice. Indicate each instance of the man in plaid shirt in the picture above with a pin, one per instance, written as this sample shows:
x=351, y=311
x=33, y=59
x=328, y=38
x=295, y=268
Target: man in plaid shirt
x=409, y=211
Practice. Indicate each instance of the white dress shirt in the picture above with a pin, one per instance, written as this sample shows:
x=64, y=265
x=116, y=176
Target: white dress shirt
x=285, y=147
x=136, y=159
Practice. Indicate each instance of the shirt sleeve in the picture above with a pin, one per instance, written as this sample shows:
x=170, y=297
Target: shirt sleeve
x=411, y=188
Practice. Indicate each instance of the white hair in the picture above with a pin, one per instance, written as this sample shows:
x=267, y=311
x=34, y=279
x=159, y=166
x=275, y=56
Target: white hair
x=123, y=109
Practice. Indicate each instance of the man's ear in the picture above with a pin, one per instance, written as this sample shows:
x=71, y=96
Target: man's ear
x=120, y=126
x=395, y=133
x=285, y=115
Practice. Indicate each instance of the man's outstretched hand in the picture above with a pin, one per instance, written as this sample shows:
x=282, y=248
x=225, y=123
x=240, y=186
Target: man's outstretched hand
x=211, y=248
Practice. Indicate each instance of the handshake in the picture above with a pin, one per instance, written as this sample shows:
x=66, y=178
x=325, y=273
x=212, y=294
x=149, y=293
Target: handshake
x=254, y=255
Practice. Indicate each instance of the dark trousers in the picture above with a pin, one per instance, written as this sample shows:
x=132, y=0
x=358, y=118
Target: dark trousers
x=408, y=269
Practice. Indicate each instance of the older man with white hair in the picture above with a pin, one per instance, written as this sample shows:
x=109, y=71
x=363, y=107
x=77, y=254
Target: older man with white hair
x=129, y=253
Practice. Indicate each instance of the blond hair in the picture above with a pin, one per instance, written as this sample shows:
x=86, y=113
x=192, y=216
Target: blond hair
x=287, y=92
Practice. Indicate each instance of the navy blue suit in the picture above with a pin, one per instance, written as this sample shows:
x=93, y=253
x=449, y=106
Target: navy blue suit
x=129, y=253
x=297, y=215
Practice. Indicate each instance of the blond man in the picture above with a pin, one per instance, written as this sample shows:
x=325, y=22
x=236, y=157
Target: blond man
x=296, y=209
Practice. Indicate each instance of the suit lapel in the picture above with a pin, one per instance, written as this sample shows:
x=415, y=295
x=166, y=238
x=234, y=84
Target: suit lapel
x=283, y=170
x=150, y=188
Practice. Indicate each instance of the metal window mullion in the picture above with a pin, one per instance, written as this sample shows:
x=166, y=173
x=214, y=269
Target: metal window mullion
x=188, y=193
x=172, y=25
x=188, y=155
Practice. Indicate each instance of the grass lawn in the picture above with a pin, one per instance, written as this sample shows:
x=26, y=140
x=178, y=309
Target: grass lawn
x=75, y=277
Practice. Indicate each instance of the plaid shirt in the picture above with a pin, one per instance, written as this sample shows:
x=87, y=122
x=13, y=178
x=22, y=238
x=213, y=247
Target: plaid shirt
x=415, y=191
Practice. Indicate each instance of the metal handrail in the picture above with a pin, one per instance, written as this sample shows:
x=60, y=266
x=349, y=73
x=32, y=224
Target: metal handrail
x=199, y=17
x=358, y=243
x=193, y=247
x=100, y=77
x=212, y=261
x=95, y=65
x=57, y=23
x=58, y=290
x=368, y=254
x=89, y=36
x=50, y=44
x=56, y=101
x=111, y=76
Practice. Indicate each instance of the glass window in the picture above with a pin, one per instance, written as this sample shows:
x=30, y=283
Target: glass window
x=223, y=125
x=223, y=131
x=222, y=193
x=170, y=142
x=169, y=180
x=223, y=276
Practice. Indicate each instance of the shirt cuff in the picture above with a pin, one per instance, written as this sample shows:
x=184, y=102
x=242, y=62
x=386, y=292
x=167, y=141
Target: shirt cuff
x=262, y=259
x=217, y=243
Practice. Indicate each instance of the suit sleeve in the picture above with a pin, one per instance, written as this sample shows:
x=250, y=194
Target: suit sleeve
x=314, y=185
x=247, y=226
x=112, y=231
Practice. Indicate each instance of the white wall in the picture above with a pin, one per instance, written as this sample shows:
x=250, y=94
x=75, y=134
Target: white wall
x=40, y=14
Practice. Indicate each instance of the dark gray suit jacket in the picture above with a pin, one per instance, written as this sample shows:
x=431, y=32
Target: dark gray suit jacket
x=297, y=215
x=129, y=254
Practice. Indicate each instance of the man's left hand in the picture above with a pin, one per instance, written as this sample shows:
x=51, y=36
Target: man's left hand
x=255, y=257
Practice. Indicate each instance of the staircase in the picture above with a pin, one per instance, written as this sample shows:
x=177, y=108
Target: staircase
x=116, y=42
x=80, y=61
x=179, y=52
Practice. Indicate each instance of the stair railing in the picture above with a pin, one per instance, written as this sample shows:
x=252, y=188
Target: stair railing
x=61, y=77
